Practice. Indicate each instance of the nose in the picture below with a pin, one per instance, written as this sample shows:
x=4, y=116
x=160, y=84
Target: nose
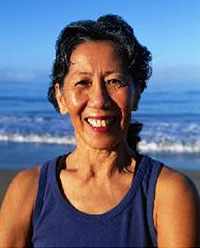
x=99, y=96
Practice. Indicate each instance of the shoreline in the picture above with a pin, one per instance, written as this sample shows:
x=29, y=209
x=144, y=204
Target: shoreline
x=18, y=156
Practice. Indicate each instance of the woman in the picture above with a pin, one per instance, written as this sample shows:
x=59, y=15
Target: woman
x=103, y=193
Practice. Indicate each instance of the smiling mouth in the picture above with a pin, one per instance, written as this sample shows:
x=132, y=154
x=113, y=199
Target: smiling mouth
x=101, y=124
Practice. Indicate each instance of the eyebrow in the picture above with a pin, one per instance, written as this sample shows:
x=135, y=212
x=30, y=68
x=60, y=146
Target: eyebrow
x=89, y=73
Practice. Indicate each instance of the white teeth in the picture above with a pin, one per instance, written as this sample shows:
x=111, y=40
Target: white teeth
x=94, y=123
x=103, y=123
x=100, y=123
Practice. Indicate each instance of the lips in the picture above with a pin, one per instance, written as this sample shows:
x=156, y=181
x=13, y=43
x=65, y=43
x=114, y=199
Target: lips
x=100, y=124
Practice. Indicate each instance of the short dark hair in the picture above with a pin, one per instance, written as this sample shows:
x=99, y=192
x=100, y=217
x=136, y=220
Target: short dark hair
x=107, y=28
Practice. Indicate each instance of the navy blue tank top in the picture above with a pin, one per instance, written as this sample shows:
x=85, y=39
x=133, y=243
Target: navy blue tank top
x=56, y=223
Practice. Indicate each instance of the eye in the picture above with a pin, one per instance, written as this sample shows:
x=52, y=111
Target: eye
x=117, y=82
x=83, y=83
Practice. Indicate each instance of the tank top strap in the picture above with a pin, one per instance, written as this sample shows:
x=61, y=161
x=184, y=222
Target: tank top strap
x=46, y=169
x=153, y=171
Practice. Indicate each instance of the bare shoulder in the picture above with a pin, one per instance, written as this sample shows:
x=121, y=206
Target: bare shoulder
x=23, y=184
x=176, y=211
x=17, y=207
x=171, y=182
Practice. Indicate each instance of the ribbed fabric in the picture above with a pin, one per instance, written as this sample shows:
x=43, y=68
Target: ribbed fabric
x=56, y=223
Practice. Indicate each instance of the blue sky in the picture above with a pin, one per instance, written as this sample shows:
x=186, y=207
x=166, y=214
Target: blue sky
x=169, y=28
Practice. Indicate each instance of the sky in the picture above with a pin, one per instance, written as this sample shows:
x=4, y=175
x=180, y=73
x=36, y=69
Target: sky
x=170, y=29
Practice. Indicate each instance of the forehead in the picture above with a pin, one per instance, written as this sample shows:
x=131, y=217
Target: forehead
x=96, y=55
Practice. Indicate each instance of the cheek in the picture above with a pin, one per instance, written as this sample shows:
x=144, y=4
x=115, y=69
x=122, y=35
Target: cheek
x=74, y=102
x=125, y=99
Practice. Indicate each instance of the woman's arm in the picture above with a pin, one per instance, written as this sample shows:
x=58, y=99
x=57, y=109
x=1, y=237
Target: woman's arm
x=16, y=210
x=176, y=212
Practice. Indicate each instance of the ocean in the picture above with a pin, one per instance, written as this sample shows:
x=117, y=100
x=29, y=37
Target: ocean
x=31, y=131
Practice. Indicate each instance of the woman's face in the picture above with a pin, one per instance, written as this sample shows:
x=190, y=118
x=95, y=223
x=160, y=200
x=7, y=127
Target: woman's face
x=98, y=94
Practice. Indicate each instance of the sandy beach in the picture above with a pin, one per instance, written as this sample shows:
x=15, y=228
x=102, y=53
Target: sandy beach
x=7, y=175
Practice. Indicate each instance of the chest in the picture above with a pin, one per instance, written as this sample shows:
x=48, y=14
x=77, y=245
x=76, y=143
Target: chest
x=91, y=198
x=116, y=229
x=59, y=225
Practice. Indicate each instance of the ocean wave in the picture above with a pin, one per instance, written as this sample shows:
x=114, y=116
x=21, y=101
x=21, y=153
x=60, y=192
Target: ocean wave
x=35, y=125
x=144, y=145
x=33, y=138
x=172, y=147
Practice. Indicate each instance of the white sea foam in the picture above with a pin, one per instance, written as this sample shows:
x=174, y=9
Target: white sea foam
x=144, y=146
x=172, y=147
x=70, y=140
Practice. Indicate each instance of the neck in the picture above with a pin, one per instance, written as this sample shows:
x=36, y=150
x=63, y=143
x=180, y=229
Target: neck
x=90, y=162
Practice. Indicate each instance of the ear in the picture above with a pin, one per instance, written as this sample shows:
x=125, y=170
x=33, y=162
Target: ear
x=60, y=100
